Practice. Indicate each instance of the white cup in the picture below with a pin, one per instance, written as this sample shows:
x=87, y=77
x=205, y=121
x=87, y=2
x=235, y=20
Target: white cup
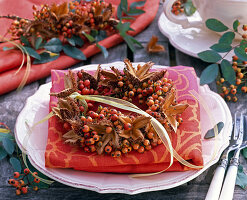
x=226, y=11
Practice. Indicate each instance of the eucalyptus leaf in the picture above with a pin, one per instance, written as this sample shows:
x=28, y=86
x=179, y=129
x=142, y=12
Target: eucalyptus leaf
x=101, y=36
x=221, y=47
x=103, y=49
x=6, y=135
x=71, y=41
x=209, y=74
x=32, y=52
x=241, y=179
x=135, y=12
x=236, y=23
x=210, y=133
x=89, y=37
x=38, y=42
x=124, y=5
x=189, y=8
x=245, y=153
x=15, y=164
x=209, y=56
x=78, y=41
x=240, y=52
x=137, y=4
x=228, y=72
x=45, y=58
x=227, y=38
x=123, y=27
x=74, y=52
x=54, y=45
x=3, y=153
x=216, y=25
x=8, y=145
x=25, y=41
x=119, y=12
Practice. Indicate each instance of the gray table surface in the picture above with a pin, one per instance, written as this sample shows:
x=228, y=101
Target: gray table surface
x=12, y=103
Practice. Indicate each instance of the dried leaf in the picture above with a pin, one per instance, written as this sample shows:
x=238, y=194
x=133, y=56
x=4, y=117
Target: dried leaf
x=170, y=111
x=64, y=93
x=153, y=47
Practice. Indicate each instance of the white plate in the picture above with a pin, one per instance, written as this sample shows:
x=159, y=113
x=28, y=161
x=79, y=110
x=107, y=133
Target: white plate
x=190, y=41
x=37, y=107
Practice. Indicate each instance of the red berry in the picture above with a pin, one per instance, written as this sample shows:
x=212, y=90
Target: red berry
x=85, y=128
x=108, y=129
x=90, y=106
x=114, y=117
x=108, y=149
x=36, y=180
x=141, y=149
x=24, y=190
x=86, y=149
x=26, y=171
x=16, y=174
x=66, y=126
x=81, y=86
x=18, y=192
x=87, y=83
x=81, y=108
x=136, y=146
x=113, y=111
x=96, y=138
x=127, y=126
x=120, y=84
x=35, y=188
x=85, y=91
x=92, y=148
x=117, y=153
x=101, y=116
x=79, y=74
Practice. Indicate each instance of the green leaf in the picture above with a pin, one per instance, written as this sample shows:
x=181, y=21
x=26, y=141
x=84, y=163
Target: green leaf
x=209, y=74
x=75, y=40
x=137, y=4
x=127, y=18
x=8, y=48
x=209, y=56
x=78, y=40
x=228, y=71
x=240, y=52
x=45, y=58
x=103, y=49
x=227, y=38
x=210, y=133
x=74, y=52
x=189, y=8
x=6, y=135
x=124, y=5
x=25, y=41
x=245, y=152
x=241, y=179
x=15, y=164
x=32, y=52
x=119, y=12
x=221, y=47
x=236, y=23
x=123, y=27
x=89, y=37
x=135, y=41
x=101, y=36
x=8, y=145
x=38, y=42
x=3, y=153
x=216, y=25
x=54, y=45
x=135, y=12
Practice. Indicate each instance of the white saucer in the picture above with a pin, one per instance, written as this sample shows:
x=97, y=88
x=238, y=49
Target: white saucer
x=190, y=41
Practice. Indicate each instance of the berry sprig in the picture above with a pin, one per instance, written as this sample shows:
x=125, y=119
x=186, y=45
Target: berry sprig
x=230, y=76
x=22, y=182
x=183, y=6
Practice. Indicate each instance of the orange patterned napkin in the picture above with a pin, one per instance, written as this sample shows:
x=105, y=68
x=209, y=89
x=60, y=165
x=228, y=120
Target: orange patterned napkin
x=187, y=140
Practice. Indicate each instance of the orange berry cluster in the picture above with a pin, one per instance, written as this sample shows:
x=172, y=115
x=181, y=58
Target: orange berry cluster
x=64, y=20
x=177, y=7
x=92, y=140
x=229, y=92
x=22, y=186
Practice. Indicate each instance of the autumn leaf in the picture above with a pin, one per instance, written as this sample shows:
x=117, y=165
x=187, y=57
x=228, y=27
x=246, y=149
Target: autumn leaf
x=153, y=47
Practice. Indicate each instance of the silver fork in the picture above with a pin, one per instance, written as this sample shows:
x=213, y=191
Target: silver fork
x=229, y=182
x=216, y=183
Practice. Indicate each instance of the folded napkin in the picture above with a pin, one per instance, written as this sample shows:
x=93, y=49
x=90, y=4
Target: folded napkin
x=11, y=60
x=187, y=140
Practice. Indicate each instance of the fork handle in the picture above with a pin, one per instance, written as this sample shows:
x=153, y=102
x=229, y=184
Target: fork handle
x=230, y=180
x=216, y=183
